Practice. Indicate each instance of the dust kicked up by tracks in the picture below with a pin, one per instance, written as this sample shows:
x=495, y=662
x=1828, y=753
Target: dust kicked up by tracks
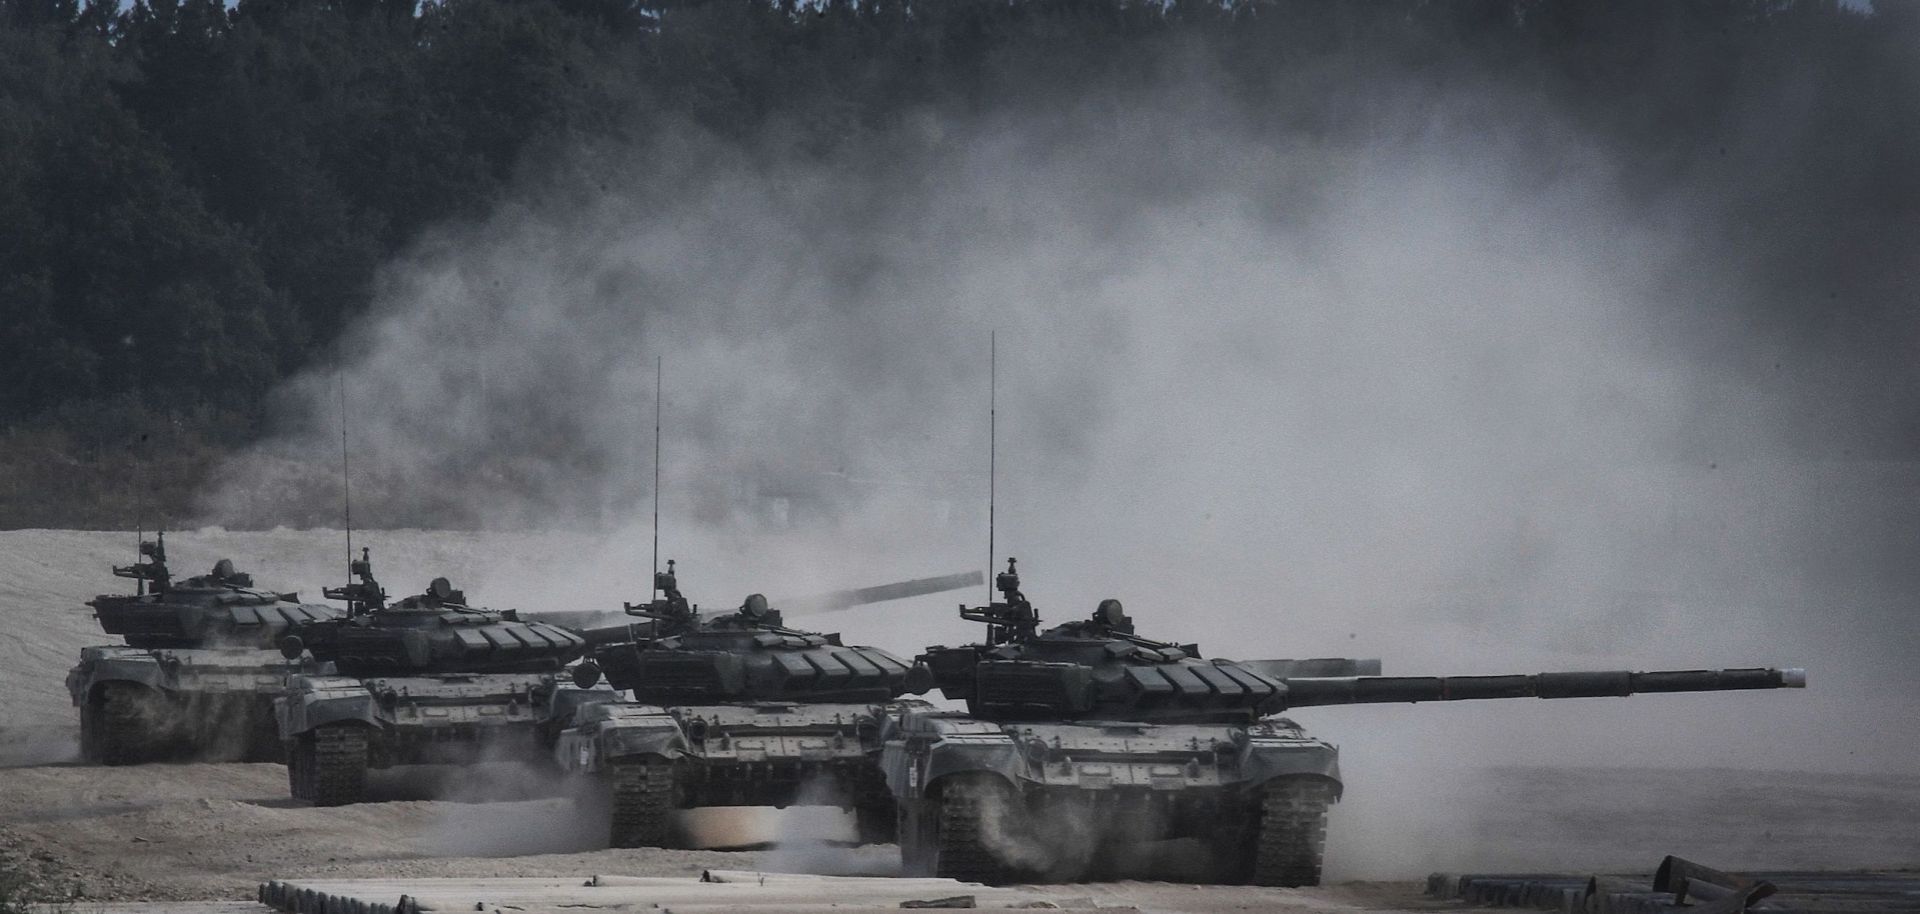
x=215, y=831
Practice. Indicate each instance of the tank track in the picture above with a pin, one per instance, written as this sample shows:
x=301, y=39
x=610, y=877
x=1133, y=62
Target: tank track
x=641, y=796
x=114, y=731
x=962, y=851
x=1293, y=832
x=328, y=767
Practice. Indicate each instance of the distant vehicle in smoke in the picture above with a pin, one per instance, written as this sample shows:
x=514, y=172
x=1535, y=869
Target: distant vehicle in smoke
x=426, y=680
x=738, y=710
x=197, y=676
x=1087, y=734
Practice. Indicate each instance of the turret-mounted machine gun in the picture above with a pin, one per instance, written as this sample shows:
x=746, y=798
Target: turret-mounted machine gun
x=669, y=610
x=362, y=596
x=1011, y=619
x=150, y=569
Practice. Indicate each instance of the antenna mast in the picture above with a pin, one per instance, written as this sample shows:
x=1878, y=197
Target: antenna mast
x=993, y=392
x=657, y=374
x=346, y=479
x=139, y=506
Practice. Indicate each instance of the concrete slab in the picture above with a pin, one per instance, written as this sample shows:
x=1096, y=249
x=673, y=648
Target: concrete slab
x=714, y=891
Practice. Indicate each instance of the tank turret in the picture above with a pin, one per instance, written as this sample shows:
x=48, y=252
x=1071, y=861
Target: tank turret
x=432, y=632
x=1098, y=668
x=746, y=655
x=220, y=608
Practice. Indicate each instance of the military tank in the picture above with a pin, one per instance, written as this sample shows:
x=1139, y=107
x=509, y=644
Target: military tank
x=197, y=674
x=425, y=680
x=739, y=710
x=1087, y=734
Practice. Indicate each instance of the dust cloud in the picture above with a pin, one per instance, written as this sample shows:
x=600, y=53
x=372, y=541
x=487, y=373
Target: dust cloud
x=1435, y=392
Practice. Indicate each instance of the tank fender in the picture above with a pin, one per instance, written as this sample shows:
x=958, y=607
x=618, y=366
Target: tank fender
x=1264, y=760
x=87, y=678
x=662, y=737
x=568, y=698
x=911, y=767
x=301, y=712
x=626, y=732
x=1332, y=781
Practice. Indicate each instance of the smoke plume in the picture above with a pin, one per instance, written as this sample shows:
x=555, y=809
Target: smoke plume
x=1446, y=386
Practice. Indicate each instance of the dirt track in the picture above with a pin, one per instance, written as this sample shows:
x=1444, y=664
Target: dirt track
x=193, y=832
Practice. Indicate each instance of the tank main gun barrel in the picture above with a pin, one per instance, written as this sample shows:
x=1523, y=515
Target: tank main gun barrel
x=1362, y=690
x=862, y=596
x=609, y=634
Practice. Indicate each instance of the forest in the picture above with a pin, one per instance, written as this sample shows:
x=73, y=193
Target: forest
x=197, y=198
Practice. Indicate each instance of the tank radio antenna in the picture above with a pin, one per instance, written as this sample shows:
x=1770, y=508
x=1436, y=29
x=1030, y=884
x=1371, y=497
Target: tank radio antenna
x=139, y=470
x=346, y=477
x=993, y=392
x=657, y=375
x=139, y=506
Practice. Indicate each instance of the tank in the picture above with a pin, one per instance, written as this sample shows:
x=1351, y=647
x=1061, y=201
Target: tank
x=197, y=675
x=425, y=680
x=1086, y=735
x=738, y=710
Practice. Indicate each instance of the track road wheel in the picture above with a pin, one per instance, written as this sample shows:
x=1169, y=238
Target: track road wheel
x=1293, y=832
x=966, y=813
x=641, y=796
x=328, y=766
x=122, y=732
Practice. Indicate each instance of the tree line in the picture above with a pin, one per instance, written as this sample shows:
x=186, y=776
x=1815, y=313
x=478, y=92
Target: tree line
x=196, y=197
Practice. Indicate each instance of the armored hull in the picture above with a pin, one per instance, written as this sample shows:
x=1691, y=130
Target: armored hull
x=337, y=727
x=197, y=676
x=166, y=703
x=1087, y=734
x=738, y=710
x=649, y=760
x=428, y=680
x=1036, y=790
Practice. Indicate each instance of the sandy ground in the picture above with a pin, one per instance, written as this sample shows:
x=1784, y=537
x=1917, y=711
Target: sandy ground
x=185, y=832
x=204, y=833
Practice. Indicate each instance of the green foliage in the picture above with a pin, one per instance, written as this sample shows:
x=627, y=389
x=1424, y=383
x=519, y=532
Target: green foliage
x=195, y=197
